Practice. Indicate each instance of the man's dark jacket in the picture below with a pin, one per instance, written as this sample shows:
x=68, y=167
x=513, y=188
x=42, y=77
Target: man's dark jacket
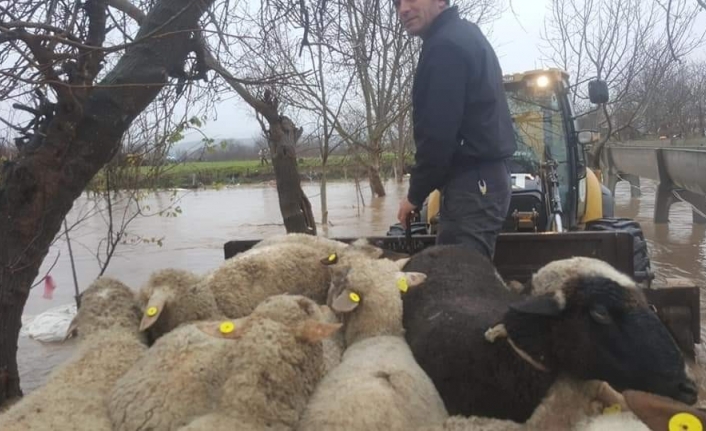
x=460, y=113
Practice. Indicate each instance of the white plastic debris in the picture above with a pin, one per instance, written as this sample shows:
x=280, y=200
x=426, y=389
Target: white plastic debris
x=50, y=326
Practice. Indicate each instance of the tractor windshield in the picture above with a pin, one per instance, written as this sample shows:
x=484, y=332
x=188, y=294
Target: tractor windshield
x=540, y=128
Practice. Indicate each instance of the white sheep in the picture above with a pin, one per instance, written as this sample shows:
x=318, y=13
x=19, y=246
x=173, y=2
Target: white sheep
x=242, y=282
x=591, y=406
x=271, y=380
x=648, y=412
x=378, y=385
x=290, y=309
x=176, y=381
x=568, y=402
x=172, y=297
x=326, y=245
x=331, y=246
x=183, y=375
x=75, y=394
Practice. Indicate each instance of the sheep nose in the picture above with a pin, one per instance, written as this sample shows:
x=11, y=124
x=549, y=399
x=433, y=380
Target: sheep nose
x=688, y=392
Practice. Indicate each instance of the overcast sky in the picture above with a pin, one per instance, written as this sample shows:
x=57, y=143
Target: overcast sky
x=516, y=39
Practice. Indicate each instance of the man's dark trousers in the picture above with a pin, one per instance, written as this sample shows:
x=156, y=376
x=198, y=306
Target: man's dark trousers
x=474, y=205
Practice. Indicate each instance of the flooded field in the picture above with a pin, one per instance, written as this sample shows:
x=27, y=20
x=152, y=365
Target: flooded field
x=194, y=240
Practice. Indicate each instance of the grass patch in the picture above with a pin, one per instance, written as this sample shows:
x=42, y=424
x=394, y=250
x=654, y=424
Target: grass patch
x=194, y=174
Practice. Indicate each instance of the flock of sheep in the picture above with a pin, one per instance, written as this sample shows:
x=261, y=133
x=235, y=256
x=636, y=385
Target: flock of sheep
x=306, y=333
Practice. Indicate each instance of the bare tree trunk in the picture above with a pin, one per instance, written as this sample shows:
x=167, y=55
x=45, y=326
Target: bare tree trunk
x=13, y=295
x=400, y=149
x=37, y=190
x=293, y=202
x=376, y=184
x=324, y=202
x=282, y=135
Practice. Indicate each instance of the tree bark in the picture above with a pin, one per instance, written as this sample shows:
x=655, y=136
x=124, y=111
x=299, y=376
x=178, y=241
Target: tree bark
x=324, y=198
x=293, y=202
x=376, y=184
x=282, y=135
x=38, y=189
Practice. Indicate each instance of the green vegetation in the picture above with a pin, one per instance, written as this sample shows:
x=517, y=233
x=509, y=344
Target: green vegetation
x=215, y=173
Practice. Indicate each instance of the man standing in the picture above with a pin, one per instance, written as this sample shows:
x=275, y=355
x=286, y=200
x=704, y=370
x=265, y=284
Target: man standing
x=463, y=130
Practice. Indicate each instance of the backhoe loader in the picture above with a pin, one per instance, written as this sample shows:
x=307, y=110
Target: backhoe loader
x=559, y=206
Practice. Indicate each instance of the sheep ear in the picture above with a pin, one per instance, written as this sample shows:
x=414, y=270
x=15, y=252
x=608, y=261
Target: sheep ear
x=662, y=413
x=346, y=302
x=72, y=330
x=405, y=280
x=543, y=305
x=331, y=259
x=313, y=331
x=225, y=329
x=153, y=309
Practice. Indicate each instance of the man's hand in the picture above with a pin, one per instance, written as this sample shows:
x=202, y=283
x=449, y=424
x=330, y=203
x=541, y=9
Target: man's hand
x=406, y=207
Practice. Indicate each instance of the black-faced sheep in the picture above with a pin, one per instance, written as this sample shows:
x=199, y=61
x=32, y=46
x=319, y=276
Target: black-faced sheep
x=172, y=297
x=75, y=395
x=378, y=385
x=588, y=327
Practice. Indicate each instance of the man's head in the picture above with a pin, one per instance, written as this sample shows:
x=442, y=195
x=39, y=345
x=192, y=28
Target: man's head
x=417, y=15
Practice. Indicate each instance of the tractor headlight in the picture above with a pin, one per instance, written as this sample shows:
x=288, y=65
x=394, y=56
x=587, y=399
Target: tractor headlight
x=543, y=81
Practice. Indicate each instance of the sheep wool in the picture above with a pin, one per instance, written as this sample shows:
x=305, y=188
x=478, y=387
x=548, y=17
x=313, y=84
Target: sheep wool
x=568, y=403
x=583, y=323
x=177, y=380
x=361, y=247
x=278, y=366
x=243, y=281
x=378, y=385
x=172, y=297
x=183, y=376
x=290, y=309
x=74, y=397
x=326, y=245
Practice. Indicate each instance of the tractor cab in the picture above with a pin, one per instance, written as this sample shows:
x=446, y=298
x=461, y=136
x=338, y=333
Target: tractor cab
x=553, y=190
x=547, y=145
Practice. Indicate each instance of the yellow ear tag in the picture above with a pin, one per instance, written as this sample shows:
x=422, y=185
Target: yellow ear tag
x=402, y=284
x=685, y=422
x=354, y=297
x=226, y=327
x=151, y=311
x=332, y=257
x=612, y=409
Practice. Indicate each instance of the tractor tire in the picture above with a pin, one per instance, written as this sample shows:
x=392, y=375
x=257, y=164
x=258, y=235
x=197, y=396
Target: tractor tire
x=641, y=259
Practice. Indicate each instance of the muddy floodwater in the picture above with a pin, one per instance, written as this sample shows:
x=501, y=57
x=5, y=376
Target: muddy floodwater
x=194, y=240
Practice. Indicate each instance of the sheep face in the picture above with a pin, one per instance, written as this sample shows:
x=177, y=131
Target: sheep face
x=594, y=327
x=106, y=303
x=172, y=297
x=660, y=413
x=366, y=294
